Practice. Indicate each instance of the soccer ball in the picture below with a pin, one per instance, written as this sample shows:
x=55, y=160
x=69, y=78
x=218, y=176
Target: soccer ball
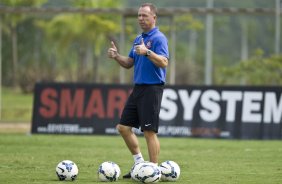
x=108, y=171
x=135, y=168
x=67, y=170
x=170, y=171
x=146, y=172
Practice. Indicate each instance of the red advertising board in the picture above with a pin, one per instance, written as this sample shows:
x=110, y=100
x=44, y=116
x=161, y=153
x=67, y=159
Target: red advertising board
x=186, y=111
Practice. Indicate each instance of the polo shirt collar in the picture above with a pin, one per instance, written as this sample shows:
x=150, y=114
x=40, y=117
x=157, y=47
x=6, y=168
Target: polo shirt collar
x=152, y=31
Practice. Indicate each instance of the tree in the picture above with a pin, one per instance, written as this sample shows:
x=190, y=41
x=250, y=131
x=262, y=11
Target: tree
x=187, y=48
x=9, y=24
x=255, y=71
x=88, y=32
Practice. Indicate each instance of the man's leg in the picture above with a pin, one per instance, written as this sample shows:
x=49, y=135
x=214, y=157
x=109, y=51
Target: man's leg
x=129, y=138
x=153, y=145
x=132, y=143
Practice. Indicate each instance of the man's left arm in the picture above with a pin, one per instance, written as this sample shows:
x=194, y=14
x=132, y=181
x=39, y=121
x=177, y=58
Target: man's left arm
x=158, y=60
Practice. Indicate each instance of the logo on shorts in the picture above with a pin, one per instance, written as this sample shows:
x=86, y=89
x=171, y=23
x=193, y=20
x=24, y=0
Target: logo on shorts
x=146, y=125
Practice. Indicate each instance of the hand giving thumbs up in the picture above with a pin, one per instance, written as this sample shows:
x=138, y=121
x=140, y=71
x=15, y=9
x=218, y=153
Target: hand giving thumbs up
x=141, y=49
x=112, y=51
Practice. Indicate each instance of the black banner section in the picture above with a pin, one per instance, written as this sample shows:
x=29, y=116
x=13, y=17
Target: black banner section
x=187, y=111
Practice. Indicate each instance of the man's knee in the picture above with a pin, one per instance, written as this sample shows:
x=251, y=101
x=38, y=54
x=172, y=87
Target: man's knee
x=149, y=133
x=123, y=129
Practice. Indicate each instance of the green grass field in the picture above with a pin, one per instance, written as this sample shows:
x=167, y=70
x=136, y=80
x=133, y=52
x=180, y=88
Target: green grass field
x=16, y=106
x=33, y=158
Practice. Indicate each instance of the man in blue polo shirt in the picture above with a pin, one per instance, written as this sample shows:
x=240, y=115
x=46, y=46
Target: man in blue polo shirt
x=149, y=56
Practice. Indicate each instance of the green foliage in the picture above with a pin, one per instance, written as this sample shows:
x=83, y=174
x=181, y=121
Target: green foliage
x=188, y=22
x=97, y=3
x=86, y=35
x=64, y=29
x=182, y=23
x=15, y=3
x=32, y=159
x=255, y=71
x=14, y=19
x=9, y=24
x=59, y=47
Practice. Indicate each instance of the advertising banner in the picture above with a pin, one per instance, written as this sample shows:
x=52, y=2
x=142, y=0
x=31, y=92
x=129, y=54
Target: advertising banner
x=186, y=111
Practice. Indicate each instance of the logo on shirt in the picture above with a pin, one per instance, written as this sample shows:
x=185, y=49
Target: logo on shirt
x=149, y=44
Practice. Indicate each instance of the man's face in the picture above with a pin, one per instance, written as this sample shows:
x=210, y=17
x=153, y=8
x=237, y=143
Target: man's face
x=146, y=18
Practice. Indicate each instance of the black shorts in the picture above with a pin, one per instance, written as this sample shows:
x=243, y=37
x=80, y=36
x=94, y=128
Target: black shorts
x=143, y=107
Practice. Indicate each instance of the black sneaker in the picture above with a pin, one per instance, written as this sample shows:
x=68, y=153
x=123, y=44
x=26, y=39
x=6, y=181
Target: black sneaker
x=127, y=176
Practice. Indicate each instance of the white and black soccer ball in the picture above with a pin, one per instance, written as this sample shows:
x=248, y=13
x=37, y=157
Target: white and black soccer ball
x=135, y=168
x=146, y=172
x=108, y=171
x=67, y=170
x=170, y=171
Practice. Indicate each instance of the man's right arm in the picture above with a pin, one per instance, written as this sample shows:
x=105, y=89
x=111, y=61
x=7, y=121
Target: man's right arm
x=124, y=61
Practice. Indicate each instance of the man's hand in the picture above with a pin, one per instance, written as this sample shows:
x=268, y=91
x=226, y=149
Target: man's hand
x=112, y=51
x=141, y=49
